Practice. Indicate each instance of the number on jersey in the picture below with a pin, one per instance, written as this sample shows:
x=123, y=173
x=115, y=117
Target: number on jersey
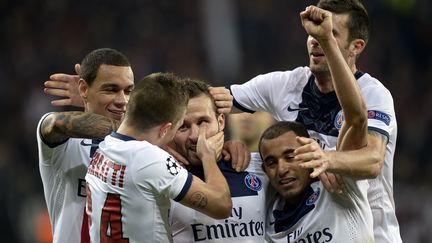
x=111, y=223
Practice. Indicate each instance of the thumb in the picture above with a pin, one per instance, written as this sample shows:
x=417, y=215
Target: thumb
x=202, y=132
x=78, y=68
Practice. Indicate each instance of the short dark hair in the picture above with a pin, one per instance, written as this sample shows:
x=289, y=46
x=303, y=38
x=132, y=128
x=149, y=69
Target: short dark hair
x=281, y=128
x=195, y=88
x=91, y=63
x=358, y=24
x=157, y=98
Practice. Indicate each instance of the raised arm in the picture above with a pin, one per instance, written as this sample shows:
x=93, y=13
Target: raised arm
x=318, y=24
x=211, y=197
x=57, y=127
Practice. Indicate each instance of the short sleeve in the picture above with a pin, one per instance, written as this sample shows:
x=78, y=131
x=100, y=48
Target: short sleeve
x=163, y=175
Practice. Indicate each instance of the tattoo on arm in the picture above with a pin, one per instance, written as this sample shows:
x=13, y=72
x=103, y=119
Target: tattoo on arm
x=199, y=199
x=64, y=125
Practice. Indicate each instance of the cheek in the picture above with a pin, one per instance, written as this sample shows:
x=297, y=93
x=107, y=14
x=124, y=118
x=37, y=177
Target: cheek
x=179, y=139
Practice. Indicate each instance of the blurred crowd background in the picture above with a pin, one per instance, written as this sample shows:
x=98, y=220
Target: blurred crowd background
x=222, y=41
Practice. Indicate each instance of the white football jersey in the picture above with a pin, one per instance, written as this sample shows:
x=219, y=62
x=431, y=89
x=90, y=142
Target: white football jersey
x=322, y=216
x=294, y=96
x=247, y=220
x=129, y=187
x=63, y=168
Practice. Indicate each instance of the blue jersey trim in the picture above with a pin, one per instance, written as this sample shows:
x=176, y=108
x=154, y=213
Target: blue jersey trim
x=237, y=105
x=121, y=136
x=185, y=189
x=237, y=180
x=381, y=131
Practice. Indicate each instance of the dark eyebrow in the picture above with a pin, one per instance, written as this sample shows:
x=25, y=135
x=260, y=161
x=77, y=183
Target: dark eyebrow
x=111, y=85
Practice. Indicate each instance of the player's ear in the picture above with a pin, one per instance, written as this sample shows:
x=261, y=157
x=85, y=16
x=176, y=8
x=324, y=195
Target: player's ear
x=83, y=88
x=164, y=128
x=221, y=121
x=357, y=46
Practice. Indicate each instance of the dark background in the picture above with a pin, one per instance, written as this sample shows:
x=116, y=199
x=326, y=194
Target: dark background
x=221, y=41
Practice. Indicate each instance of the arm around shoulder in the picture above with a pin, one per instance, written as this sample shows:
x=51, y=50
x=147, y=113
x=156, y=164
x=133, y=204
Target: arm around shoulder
x=363, y=163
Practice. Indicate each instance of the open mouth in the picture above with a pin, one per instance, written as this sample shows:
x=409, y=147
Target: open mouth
x=317, y=57
x=192, y=148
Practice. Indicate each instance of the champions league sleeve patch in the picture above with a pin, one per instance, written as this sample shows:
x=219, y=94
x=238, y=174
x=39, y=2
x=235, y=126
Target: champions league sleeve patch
x=378, y=115
x=172, y=166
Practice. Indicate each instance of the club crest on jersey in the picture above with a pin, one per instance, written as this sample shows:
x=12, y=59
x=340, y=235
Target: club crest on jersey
x=253, y=182
x=378, y=115
x=172, y=166
x=313, y=198
x=339, y=120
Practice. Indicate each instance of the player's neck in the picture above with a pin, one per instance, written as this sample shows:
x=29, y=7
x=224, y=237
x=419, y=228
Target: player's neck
x=324, y=83
x=150, y=136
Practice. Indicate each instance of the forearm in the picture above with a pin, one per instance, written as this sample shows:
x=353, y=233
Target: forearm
x=215, y=179
x=362, y=163
x=59, y=126
x=212, y=196
x=345, y=84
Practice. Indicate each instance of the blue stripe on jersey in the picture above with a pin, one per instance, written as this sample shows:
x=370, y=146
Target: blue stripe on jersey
x=322, y=108
x=121, y=136
x=292, y=213
x=383, y=132
x=237, y=105
x=236, y=180
x=94, y=148
x=185, y=189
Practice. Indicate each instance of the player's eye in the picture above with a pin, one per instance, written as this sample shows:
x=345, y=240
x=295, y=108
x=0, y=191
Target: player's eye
x=270, y=162
x=182, y=128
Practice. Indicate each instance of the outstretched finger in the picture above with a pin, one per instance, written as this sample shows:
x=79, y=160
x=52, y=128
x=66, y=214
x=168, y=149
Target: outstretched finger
x=304, y=140
x=56, y=92
x=56, y=84
x=62, y=77
x=61, y=102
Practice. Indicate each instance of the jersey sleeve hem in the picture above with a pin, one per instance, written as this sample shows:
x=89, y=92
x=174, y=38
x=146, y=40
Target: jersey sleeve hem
x=185, y=188
x=381, y=131
x=237, y=105
x=39, y=134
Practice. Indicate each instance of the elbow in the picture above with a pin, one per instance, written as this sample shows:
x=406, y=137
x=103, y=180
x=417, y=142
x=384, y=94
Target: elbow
x=224, y=209
x=359, y=121
x=50, y=125
x=375, y=167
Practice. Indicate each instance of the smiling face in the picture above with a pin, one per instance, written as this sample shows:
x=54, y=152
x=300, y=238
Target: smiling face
x=317, y=60
x=109, y=93
x=200, y=113
x=283, y=171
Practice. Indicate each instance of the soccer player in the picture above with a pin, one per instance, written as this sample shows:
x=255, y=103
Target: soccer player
x=248, y=188
x=131, y=180
x=302, y=210
x=306, y=95
x=106, y=80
